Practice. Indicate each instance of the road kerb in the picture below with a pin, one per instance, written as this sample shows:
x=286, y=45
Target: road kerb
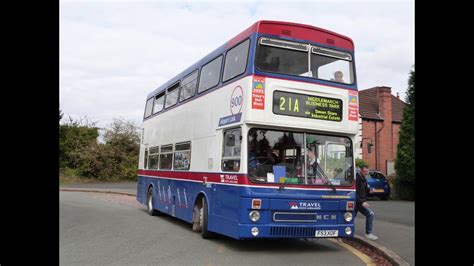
x=98, y=191
x=388, y=254
x=366, y=259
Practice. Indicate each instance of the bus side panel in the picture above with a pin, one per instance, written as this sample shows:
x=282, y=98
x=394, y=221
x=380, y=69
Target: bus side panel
x=184, y=202
x=164, y=196
x=142, y=189
x=224, y=226
x=169, y=192
x=160, y=192
x=225, y=211
x=185, y=194
x=223, y=201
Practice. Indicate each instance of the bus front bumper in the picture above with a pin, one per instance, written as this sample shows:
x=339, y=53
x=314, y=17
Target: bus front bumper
x=295, y=231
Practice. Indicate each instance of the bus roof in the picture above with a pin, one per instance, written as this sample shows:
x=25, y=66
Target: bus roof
x=301, y=32
x=296, y=31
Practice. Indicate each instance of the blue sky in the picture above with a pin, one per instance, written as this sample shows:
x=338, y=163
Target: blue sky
x=113, y=53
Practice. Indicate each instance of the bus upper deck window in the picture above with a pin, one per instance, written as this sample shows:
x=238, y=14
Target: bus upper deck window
x=148, y=107
x=188, y=86
x=210, y=74
x=332, y=65
x=159, y=103
x=236, y=60
x=172, y=95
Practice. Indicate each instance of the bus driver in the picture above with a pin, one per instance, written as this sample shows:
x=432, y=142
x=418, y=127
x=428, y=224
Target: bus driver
x=313, y=166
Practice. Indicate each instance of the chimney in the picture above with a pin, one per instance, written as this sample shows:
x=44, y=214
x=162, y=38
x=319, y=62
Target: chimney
x=398, y=96
x=385, y=141
x=384, y=98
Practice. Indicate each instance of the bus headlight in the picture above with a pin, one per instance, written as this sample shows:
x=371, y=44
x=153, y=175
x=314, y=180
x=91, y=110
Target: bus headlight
x=348, y=230
x=348, y=216
x=254, y=231
x=254, y=216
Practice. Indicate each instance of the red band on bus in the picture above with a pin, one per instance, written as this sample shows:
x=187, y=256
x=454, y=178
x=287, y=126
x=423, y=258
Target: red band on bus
x=216, y=178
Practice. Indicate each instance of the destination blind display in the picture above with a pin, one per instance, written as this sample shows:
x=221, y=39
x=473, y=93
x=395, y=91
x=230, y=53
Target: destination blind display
x=309, y=106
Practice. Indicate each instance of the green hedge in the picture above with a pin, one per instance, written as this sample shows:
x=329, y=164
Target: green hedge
x=115, y=159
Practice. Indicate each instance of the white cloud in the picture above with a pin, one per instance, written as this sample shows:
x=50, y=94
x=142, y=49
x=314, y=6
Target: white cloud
x=112, y=54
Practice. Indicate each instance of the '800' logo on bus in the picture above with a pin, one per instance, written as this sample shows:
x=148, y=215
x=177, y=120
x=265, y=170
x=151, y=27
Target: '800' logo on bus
x=236, y=100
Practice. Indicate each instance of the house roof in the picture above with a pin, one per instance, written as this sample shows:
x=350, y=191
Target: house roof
x=369, y=106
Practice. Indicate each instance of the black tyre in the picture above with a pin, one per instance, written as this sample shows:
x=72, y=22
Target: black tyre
x=204, y=221
x=385, y=197
x=149, y=203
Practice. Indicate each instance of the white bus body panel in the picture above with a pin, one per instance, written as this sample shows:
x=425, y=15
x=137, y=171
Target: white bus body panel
x=197, y=120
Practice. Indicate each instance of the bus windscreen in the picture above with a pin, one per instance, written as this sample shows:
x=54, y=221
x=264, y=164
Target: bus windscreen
x=299, y=158
x=297, y=59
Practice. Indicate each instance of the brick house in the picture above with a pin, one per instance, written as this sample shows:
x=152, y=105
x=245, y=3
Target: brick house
x=380, y=116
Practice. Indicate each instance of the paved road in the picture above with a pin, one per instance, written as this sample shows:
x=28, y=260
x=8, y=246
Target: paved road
x=97, y=228
x=394, y=220
x=394, y=224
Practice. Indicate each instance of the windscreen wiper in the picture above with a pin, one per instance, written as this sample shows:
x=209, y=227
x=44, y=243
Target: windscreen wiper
x=282, y=186
x=322, y=174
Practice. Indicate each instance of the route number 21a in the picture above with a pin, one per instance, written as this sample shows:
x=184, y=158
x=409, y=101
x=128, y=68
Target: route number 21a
x=288, y=104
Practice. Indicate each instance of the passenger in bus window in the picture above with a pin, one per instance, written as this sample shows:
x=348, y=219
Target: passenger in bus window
x=273, y=156
x=338, y=77
x=253, y=161
x=313, y=166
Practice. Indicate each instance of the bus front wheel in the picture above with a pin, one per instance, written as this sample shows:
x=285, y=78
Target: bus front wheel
x=204, y=220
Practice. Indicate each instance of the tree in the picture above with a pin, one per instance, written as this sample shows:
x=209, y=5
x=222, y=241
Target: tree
x=74, y=137
x=123, y=134
x=117, y=158
x=405, y=161
x=361, y=163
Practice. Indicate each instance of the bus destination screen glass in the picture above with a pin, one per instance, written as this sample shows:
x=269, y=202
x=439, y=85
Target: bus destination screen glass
x=307, y=106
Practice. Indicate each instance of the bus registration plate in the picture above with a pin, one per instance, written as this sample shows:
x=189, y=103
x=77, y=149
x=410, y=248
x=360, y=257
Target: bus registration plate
x=326, y=233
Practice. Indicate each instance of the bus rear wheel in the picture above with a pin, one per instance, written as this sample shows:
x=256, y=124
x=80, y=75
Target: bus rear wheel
x=149, y=203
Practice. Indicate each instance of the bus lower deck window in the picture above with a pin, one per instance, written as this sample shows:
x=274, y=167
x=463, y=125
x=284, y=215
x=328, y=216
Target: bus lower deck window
x=231, y=150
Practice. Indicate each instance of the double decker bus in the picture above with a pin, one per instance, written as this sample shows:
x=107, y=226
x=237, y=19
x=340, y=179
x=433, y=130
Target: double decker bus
x=255, y=140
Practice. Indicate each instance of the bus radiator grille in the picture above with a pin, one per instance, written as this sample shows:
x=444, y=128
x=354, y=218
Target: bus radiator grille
x=288, y=231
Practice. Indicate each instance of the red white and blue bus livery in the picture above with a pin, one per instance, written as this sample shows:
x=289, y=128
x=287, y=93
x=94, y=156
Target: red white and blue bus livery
x=255, y=140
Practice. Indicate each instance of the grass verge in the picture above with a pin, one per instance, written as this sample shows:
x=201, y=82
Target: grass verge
x=69, y=176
